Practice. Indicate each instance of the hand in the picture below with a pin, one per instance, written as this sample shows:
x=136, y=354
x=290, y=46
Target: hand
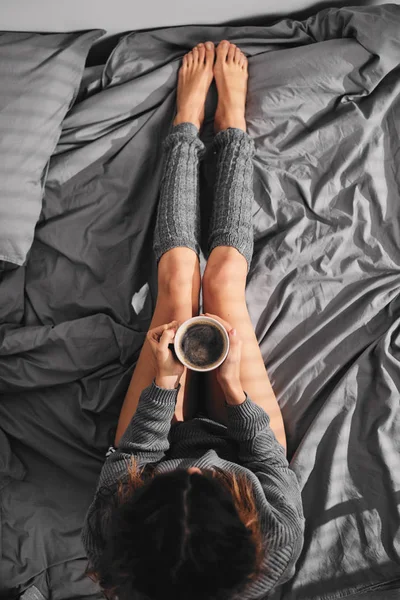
x=168, y=369
x=228, y=374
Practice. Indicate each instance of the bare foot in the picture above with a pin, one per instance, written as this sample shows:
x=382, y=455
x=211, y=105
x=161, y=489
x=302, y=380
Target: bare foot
x=195, y=77
x=230, y=72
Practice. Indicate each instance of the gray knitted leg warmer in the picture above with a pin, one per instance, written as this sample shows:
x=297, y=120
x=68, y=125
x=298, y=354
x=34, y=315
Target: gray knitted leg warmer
x=231, y=218
x=178, y=213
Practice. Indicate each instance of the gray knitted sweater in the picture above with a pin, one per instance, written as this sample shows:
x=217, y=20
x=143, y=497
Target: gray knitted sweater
x=246, y=445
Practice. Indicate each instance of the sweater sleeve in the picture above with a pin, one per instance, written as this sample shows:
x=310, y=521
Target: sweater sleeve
x=146, y=438
x=260, y=452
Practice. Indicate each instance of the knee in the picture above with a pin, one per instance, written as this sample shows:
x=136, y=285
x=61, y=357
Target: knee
x=224, y=278
x=174, y=283
x=178, y=271
x=178, y=282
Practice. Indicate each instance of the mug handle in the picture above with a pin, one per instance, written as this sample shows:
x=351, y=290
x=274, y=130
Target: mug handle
x=172, y=348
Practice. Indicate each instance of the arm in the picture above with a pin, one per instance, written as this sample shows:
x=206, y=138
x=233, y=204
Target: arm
x=234, y=394
x=260, y=452
x=251, y=420
x=132, y=399
x=146, y=436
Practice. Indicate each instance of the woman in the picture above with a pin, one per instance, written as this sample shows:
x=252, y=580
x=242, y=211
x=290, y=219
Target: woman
x=192, y=505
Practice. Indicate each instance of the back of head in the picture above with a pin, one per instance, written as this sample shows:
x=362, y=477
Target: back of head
x=179, y=535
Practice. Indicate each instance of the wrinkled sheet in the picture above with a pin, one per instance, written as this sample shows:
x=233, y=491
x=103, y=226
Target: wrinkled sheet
x=323, y=292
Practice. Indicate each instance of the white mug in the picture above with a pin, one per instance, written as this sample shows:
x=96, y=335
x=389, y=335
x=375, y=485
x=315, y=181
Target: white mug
x=182, y=329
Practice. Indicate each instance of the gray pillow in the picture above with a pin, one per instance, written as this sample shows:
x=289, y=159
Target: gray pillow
x=40, y=76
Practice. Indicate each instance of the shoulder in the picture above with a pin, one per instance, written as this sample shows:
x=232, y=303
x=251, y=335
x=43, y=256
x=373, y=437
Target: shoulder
x=278, y=567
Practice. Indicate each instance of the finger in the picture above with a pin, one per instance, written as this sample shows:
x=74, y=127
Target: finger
x=234, y=338
x=235, y=346
x=156, y=332
x=154, y=337
x=150, y=336
x=215, y=317
x=226, y=324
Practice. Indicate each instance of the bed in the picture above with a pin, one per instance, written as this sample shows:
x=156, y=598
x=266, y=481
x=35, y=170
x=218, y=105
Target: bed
x=323, y=292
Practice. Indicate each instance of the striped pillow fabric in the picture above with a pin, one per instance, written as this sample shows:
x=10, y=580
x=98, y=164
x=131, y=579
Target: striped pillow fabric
x=40, y=76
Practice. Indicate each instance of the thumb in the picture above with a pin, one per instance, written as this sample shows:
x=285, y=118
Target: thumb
x=166, y=338
x=235, y=344
x=233, y=337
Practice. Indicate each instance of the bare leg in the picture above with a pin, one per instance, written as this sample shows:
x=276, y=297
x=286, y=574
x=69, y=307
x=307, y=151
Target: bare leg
x=178, y=298
x=179, y=277
x=224, y=284
x=224, y=280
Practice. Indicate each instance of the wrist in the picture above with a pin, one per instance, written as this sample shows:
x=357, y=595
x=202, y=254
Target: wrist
x=167, y=382
x=233, y=393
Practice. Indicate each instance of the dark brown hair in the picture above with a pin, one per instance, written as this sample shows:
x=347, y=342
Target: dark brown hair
x=177, y=535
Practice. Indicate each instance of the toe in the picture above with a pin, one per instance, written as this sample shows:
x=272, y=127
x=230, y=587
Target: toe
x=195, y=53
x=189, y=59
x=202, y=53
x=238, y=55
x=222, y=50
x=243, y=62
x=210, y=52
x=231, y=52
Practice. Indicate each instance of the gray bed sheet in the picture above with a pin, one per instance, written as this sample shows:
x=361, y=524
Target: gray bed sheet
x=323, y=293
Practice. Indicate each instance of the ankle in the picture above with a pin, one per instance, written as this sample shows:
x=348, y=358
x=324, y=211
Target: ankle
x=182, y=117
x=224, y=122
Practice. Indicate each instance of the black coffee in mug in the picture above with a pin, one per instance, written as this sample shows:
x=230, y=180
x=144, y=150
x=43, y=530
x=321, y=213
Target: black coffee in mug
x=202, y=344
